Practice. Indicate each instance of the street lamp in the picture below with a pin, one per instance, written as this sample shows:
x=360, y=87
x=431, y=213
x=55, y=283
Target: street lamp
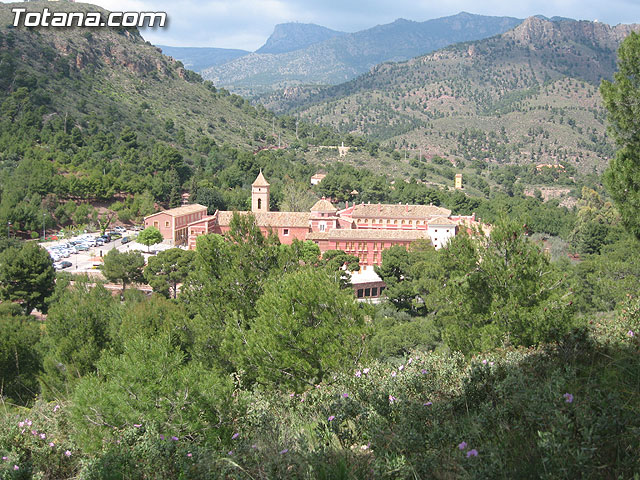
x=44, y=233
x=8, y=230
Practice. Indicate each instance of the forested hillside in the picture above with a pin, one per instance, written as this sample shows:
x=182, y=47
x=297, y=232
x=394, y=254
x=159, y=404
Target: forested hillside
x=97, y=115
x=528, y=95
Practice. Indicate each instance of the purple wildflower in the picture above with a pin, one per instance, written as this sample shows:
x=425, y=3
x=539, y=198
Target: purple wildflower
x=175, y=439
x=462, y=445
x=43, y=436
x=345, y=395
x=230, y=452
x=409, y=361
x=56, y=408
x=631, y=333
x=189, y=455
x=358, y=374
x=254, y=446
x=28, y=422
x=568, y=397
x=16, y=467
x=282, y=452
x=401, y=367
x=292, y=395
x=365, y=371
x=331, y=417
x=51, y=444
x=67, y=453
x=393, y=374
x=423, y=371
x=472, y=453
x=427, y=404
x=161, y=437
x=137, y=425
x=21, y=424
x=392, y=399
x=484, y=362
x=235, y=435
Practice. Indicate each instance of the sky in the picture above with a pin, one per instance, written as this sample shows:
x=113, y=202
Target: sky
x=246, y=24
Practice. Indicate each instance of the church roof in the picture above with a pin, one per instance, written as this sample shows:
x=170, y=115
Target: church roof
x=323, y=205
x=260, y=181
x=179, y=211
x=398, y=211
x=369, y=234
x=442, y=222
x=270, y=219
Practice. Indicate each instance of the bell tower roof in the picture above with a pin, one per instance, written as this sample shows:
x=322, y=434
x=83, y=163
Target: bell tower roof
x=260, y=181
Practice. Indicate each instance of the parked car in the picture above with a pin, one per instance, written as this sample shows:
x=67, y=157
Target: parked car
x=99, y=241
x=120, y=229
x=65, y=264
x=82, y=247
x=115, y=235
x=125, y=240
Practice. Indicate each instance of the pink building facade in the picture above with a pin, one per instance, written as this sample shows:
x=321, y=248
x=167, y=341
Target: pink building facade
x=174, y=223
x=363, y=230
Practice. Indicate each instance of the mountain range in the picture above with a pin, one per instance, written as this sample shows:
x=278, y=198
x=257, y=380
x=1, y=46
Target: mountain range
x=530, y=94
x=343, y=56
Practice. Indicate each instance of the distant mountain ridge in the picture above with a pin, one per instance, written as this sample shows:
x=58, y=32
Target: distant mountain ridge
x=289, y=37
x=343, y=57
x=199, y=58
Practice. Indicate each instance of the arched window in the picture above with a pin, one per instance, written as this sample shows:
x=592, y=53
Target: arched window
x=259, y=204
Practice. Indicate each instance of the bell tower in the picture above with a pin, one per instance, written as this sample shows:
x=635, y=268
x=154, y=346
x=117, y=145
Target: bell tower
x=260, y=194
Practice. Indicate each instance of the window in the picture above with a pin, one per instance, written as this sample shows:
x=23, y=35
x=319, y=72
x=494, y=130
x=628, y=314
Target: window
x=367, y=292
x=360, y=292
x=259, y=204
x=285, y=232
x=155, y=224
x=436, y=230
x=447, y=230
x=322, y=226
x=166, y=224
x=374, y=292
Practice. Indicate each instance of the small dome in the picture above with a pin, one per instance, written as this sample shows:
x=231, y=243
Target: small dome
x=323, y=205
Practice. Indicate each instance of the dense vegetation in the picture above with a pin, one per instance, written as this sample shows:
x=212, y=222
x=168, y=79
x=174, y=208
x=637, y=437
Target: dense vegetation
x=488, y=360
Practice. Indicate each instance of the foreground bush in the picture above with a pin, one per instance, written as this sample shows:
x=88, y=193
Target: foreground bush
x=566, y=410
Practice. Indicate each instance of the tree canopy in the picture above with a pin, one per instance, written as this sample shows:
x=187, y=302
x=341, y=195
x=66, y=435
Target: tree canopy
x=620, y=97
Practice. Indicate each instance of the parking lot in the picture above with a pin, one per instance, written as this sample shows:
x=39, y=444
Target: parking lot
x=81, y=254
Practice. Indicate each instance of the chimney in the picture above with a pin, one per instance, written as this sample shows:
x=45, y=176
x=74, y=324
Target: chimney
x=406, y=208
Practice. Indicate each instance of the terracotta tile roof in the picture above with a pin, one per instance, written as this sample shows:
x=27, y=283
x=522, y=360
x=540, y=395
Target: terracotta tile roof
x=369, y=234
x=442, y=221
x=186, y=210
x=260, y=181
x=398, y=211
x=323, y=205
x=270, y=219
